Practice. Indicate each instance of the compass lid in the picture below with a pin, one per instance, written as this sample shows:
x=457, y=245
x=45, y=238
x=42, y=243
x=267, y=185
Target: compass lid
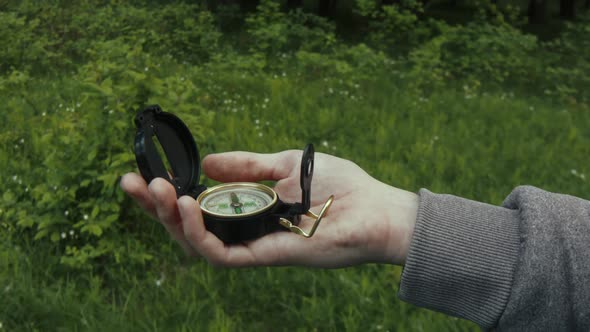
x=163, y=135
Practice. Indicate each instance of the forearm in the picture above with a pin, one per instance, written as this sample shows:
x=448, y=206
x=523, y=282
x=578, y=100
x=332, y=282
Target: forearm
x=524, y=266
x=461, y=258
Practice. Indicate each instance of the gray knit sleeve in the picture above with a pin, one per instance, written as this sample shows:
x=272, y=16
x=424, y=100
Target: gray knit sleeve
x=521, y=267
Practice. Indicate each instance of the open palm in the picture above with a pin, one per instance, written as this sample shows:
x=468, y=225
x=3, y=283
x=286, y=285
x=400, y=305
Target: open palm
x=368, y=221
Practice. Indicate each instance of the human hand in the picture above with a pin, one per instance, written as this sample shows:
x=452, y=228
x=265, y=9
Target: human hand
x=369, y=221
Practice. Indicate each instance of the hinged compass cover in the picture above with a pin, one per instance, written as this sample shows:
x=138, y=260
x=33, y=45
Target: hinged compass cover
x=160, y=130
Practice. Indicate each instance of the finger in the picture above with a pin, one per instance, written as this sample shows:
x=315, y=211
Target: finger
x=251, y=167
x=135, y=186
x=203, y=241
x=164, y=197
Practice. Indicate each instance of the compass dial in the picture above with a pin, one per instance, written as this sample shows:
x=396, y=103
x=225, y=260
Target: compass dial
x=234, y=200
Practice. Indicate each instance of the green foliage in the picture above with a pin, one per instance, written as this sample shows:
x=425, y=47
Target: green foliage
x=489, y=12
x=273, y=32
x=568, y=73
x=48, y=37
x=397, y=28
x=23, y=47
x=476, y=55
x=63, y=179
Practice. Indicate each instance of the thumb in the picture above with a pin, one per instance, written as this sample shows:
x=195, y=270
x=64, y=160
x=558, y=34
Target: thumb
x=250, y=167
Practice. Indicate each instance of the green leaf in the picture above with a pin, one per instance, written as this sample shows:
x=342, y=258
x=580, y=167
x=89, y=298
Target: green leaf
x=92, y=229
x=25, y=223
x=8, y=197
x=92, y=154
x=41, y=234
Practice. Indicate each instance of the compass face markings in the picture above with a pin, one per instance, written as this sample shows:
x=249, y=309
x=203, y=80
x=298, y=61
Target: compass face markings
x=233, y=201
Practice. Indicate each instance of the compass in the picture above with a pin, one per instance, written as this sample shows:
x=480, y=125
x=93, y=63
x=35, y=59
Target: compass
x=235, y=211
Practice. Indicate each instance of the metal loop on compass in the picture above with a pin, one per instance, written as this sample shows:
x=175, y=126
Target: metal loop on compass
x=318, y=218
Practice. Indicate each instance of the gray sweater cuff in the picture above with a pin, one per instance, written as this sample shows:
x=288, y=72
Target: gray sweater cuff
x=462, y=258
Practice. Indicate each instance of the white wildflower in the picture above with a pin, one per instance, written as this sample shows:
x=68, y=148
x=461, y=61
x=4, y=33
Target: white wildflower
x=66, y=213
x=63, y=235
x=260, y=134
x=44, y=114
x=257, y=121
x=22, y=141
x=85, y=217
x=71, y=232
x=266, y=100
x=325, y=143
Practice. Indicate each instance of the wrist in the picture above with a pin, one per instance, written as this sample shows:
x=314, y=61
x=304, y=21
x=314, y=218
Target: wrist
x=405, y=220
x=400, y=209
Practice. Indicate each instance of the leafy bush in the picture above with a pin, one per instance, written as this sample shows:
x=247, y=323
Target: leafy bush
x=52, y=37
x=476, y=55
x=397, y=28
x=23, y=48
x=67, y=141
x=273, y=32
x=567, y=73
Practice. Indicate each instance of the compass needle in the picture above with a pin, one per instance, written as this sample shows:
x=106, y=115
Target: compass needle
x=235, y=203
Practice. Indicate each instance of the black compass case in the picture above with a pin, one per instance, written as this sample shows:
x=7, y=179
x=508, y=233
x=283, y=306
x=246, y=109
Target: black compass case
x=179, y=148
